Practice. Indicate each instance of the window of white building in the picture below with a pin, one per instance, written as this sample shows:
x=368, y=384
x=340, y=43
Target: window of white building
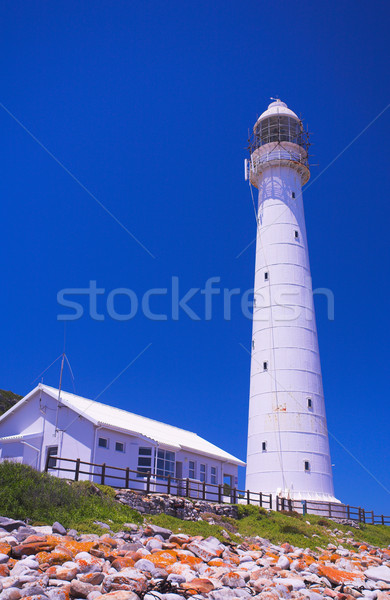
x=52, y=451
x=103, y=442
x=213, y=475
x=119, y=446
x=202, y=472
x=191, y=469
x=307, y=465
x=144, y=461
x=309, y=403
x=165, y=463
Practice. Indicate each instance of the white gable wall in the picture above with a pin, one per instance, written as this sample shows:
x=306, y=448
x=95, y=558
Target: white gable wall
x=78, y=437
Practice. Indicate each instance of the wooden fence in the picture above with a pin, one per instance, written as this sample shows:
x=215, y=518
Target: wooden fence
x=125, y=478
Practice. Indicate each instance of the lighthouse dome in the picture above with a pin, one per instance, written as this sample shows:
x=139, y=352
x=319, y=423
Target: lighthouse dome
x=277, y=108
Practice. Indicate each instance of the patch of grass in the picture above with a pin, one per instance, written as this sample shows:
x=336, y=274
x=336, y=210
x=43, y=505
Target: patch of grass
x=43, y=498
x=190, y=527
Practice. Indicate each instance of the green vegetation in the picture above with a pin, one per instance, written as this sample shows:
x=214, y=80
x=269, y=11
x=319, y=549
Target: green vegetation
x=7, y=400
x=310, y=531
x=43, y=499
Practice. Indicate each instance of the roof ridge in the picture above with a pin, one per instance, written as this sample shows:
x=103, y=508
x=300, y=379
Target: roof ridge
x=123, y=410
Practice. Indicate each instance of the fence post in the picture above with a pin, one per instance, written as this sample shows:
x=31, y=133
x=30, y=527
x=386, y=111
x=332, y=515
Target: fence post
x=234, y=496
x=360, y=514
x=204, y=490
x=270, y=501
x=348, y=512
x=103, y=474
x=330, y=510
x=127, y=478
x=248, y=497
x=147, y=483
x=383, y=519
x=220, y=494
x=277, y=503
x=77, y=470
x=261, y=499
x=187, y=488
x=290, y=507
x=169, y=484
x=364, y=515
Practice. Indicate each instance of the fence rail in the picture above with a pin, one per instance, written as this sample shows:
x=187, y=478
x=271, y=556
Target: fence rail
x=122, y=478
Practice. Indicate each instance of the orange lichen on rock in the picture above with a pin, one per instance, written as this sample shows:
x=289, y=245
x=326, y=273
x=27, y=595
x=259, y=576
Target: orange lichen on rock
x=338, y=577
x=5, y=548
x=216, y=562
x=163, y=558
x=4, y=570
x=198, y=586
x=122, y=562
x=309, y=560
x=191, y=561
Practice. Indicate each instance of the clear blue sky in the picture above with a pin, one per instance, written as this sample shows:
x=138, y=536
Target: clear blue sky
x=148, y=105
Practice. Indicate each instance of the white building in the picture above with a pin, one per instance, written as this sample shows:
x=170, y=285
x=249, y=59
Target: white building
x=40, y=426
x=288, y=448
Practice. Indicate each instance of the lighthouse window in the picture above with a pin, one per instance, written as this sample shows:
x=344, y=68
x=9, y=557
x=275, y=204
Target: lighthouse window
x=264, y=446
x=253, y=344
x=265, y=366
x=266, y=276
x=309, y=403
x=293, y=194
x=307, y=465
x=296, y=234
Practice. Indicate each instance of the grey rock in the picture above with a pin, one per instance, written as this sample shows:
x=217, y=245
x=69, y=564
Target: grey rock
x=58, y=528
x=72, y=533
x=3, y=558
x=165, y=533
x=10, y=594
x=10, y=524
x=378, y=574
x=177, y=579
x=228, y=594
x=78, y=589
x=93, y=595
x=371, y=594
x=145, y=565
x=171, y=596
x=33, y=590
x=296, y=584
x=154, y=544
x=283, y=562
x=56, y=594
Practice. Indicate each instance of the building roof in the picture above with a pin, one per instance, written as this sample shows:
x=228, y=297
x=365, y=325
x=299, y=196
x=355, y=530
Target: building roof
x=118, y=419
x=277, y=108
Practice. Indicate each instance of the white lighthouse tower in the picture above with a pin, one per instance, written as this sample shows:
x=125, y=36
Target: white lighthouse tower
x=288, y=447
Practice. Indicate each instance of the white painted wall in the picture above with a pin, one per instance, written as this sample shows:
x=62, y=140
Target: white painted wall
x=286, y=338
x=77, y=437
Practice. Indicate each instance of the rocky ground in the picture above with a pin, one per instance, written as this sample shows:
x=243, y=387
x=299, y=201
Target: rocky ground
x=151, y=563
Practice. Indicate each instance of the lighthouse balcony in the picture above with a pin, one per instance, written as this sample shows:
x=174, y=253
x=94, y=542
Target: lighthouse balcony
x=284, y=154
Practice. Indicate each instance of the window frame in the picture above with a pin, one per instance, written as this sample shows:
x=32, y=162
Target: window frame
x=203, y=472
x=121, y=444
x=190, y=470
x=168, y=461
x=309, y=403
x=144, y=470
x=264, y=446
x=104, y=446
x=213, y=475
x=51, y=462
x=306, y=466
x=265, y=365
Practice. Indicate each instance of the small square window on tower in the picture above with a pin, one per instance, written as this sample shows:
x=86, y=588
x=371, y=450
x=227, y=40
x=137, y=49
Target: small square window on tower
x=253, y=344
x=264, y=446
x=309, y=403
x=307, y=465
x=265, y=365
x=293, y=194
x=266, y=276
x=296, y=234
